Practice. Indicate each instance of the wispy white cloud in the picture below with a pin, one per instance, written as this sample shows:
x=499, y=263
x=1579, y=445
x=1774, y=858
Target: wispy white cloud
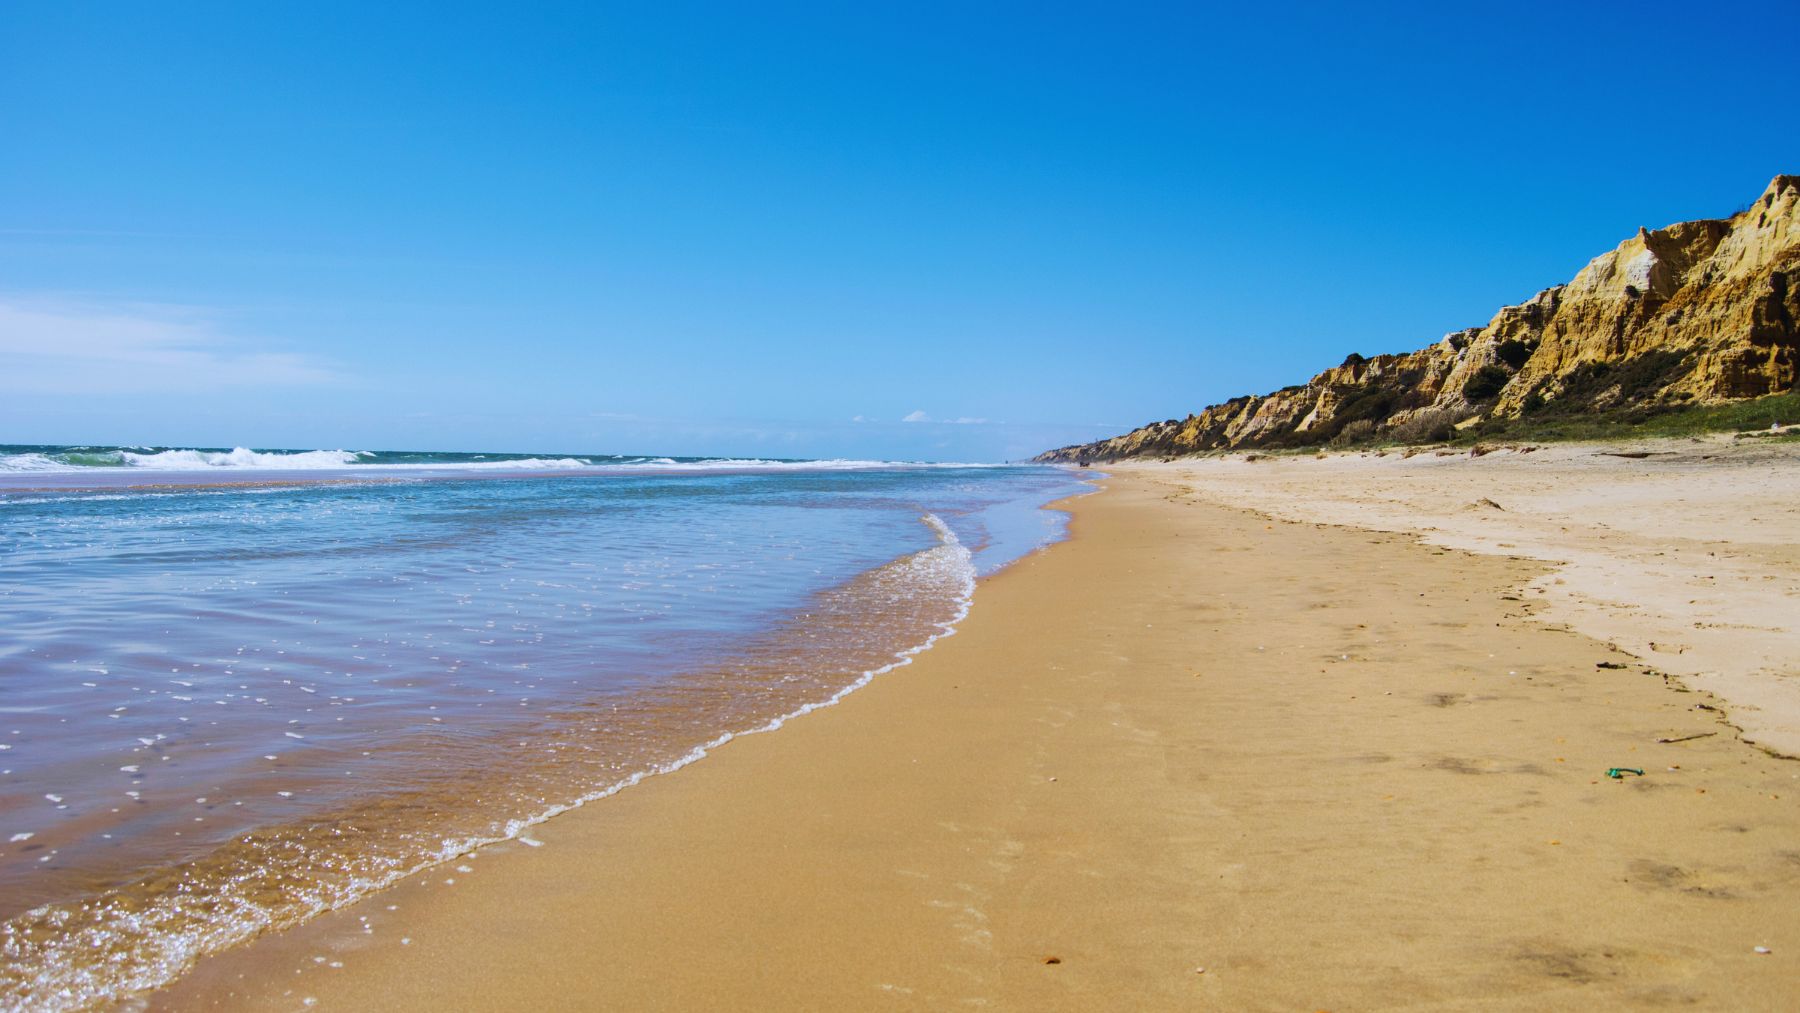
x=58, y=347
x=961, y=420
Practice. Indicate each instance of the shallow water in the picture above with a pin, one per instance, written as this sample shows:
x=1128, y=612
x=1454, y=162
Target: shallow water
x=226, y=707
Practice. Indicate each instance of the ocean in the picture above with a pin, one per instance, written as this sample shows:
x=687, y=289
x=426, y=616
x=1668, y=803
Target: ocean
x=239, y=688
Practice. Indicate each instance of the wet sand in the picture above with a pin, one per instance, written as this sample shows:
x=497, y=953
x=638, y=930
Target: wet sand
x=1191, y=758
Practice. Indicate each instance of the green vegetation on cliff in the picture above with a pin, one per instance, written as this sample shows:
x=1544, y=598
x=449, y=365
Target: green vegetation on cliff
x=1752, y=415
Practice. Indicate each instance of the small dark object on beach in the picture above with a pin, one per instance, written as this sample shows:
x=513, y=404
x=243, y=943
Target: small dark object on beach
x=1052, y=960
x=1688, y=738
x=1618, y=773
x=1484, y=501
x=1607, y=664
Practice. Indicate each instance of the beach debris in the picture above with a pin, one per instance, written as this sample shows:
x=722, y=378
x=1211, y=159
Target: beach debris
x=1199, y=970
x=1052, y=960
x=16, y=838
x=1764, y=950
x=1618, y=773
x=1608, y=664
x=1687, y=738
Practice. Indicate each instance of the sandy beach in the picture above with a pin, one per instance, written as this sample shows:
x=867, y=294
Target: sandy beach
x=1292, y=734
x=1684, y=553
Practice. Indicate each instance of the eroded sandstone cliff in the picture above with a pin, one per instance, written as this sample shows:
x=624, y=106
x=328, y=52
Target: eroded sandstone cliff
x=1697, y=312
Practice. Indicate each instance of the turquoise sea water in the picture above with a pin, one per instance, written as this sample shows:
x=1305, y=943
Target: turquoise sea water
x=241, y=687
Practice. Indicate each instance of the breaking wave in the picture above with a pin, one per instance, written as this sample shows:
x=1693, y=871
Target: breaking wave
x=52, y=460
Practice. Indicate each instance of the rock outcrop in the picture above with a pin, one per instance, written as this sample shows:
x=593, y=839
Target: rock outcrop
x=1698, y=312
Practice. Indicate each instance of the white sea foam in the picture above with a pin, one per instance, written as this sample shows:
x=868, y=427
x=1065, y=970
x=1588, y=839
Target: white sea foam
x=32, y=462
x=179, y=460
x=241, y=457
x=315, y=460
x=364, y=462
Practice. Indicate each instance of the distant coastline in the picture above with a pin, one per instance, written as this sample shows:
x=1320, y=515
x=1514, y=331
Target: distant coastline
x=1688, y=328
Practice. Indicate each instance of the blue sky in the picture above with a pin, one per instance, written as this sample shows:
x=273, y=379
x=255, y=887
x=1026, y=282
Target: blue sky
x=782, y=229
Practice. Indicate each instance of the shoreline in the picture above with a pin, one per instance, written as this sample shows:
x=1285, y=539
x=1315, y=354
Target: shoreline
x=346, y=824
x=1057, y=809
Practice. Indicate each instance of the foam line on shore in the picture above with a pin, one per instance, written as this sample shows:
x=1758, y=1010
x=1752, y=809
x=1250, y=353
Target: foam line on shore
x=39, y=947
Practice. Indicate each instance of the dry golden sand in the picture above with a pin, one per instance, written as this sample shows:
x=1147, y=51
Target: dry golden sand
x=1336, y=769
x=1685, y=552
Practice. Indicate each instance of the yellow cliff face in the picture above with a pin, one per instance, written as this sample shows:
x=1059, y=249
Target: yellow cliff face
x=1697, y=312
x=1723, y=291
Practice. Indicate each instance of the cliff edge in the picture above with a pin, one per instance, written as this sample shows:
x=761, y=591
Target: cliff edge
x=1695, y=313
